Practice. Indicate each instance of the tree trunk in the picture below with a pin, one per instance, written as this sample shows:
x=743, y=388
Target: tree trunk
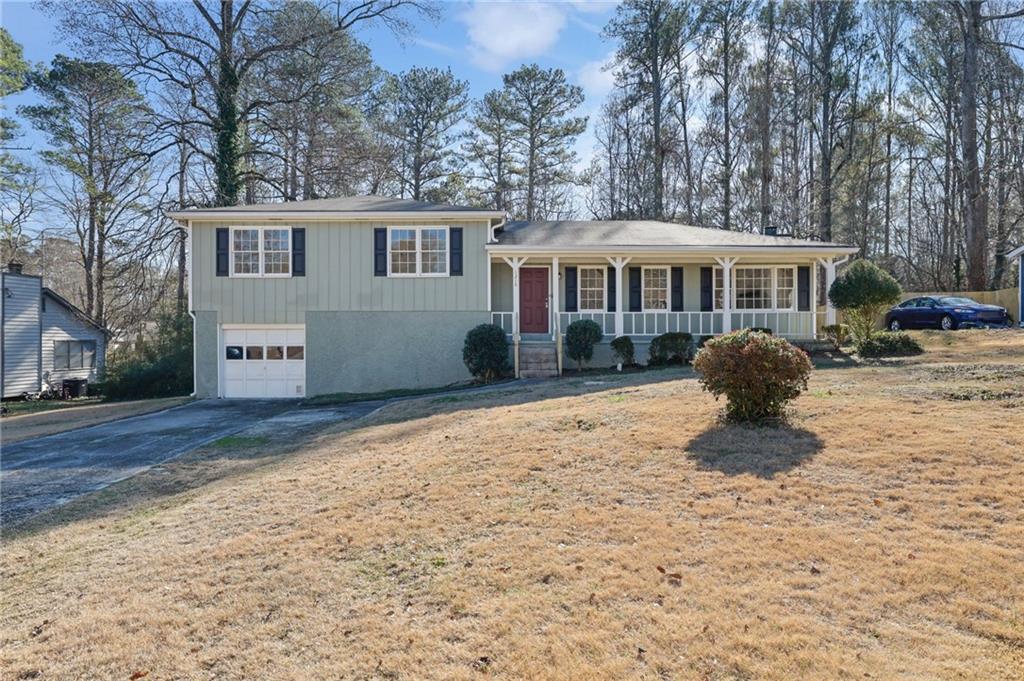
x=975, y=208
x=228, y=154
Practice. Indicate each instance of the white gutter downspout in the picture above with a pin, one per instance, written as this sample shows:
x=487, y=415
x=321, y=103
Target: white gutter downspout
x=494, y=229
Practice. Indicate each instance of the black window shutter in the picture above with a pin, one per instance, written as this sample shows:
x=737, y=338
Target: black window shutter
x=803, y=288
x=707, y=293
x=455, y=252
x=299, y=252
x=677, y=289
x=612, y=287
x=571, y=293
x=380, y=251
x=636, y=294
x=222, y=251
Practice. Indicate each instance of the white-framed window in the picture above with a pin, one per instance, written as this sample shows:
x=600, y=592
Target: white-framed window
x=655, y=289
x=758, y=287
x=592, y=288
x=418, y=251
x=261, y=251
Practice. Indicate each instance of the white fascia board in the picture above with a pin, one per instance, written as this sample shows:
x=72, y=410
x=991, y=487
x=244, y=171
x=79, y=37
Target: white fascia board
x=1015, y=252
x=804, y=251
x=304, y=216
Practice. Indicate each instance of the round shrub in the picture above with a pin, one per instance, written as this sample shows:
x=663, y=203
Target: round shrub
x=757, y=373
x=863, y=291
x=623, y=351
x=762, y=329
x=580, y=339
x=837, y=334
x=485, y=351
x=674, y=347
x=889, y=344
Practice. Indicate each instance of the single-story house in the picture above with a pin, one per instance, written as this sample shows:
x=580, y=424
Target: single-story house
x=45, y=339
x=1018, y=255
x=369, y=293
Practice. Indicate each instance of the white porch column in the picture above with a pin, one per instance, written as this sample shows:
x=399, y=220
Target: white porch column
x=830, y=265
x=726, y=264
x=554, y=298
x=515, y=262
x=619, y=264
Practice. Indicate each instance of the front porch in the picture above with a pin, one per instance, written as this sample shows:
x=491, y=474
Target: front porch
x=535, y=297
x=647, y=296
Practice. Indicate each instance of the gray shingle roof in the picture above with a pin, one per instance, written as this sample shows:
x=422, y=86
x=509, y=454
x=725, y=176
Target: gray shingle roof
x=346, y=204
x=637, y=233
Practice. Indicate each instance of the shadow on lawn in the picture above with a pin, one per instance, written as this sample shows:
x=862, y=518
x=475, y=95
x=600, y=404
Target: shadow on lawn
x=763, y=451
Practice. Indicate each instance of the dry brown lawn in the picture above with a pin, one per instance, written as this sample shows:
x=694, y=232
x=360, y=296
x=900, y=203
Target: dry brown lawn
x=54, y=417
x=568, y=531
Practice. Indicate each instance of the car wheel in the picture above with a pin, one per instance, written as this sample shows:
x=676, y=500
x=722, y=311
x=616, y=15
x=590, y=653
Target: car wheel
x=947, y=323
x=894, y=325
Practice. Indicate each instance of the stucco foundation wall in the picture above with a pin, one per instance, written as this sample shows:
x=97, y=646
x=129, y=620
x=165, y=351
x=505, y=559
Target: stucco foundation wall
x=373, y=351
x=603, y=357
x=207, y=354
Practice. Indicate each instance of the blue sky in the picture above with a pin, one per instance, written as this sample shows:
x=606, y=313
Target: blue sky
x=478, y=40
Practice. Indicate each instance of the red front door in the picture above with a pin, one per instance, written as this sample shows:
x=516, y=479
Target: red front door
x=533, y=300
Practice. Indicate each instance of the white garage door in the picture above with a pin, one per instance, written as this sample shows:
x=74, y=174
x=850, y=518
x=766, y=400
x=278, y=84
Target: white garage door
x=264, y=362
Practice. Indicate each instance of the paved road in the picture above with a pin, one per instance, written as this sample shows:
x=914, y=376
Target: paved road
x=39, y=474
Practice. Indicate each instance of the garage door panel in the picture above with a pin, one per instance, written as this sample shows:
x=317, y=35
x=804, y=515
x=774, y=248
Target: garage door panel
x=265, y=362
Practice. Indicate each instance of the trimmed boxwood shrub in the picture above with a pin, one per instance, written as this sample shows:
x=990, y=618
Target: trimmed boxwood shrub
x=888, y=344
x=757, y=373
x=674, y=347
x=485, y=352
x=580, y=339
x=837, y=334
x=762, y=329
x=623, y=351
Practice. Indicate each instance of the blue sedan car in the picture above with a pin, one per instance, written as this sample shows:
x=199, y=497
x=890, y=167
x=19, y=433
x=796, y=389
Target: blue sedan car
x=944, y=312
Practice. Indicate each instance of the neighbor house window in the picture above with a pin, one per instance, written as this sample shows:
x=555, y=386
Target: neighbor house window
x=261, y=251
x=655, y=282
x=758, y=288
x=417, y=251
x=592, y=289
x=74, y=354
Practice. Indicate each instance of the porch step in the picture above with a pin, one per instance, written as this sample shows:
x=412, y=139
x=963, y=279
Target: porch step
x=537, y=360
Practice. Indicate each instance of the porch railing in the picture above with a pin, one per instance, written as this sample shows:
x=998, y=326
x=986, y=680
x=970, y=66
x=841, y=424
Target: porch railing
x=785, y=324
x=606, y=320
x=655, y=323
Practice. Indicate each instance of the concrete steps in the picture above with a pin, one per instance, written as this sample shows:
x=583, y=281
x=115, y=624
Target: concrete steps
x=537, y=360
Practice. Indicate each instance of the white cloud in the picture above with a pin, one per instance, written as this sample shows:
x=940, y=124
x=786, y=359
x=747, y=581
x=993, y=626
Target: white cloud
x=501, y=33
x=597, y=79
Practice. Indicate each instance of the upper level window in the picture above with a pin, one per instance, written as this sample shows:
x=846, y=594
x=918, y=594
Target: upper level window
x=592, y=289
x=655, y=281
x=73, y=354
x=261, y=251
x=417, y=251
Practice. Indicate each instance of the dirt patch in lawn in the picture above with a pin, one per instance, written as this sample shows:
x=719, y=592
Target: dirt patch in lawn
x=566, y=531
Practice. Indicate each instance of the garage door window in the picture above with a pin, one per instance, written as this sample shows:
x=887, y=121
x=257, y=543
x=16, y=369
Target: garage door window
x=254, y=352
x=233, y=352
x=275, y=352
x=296, y=352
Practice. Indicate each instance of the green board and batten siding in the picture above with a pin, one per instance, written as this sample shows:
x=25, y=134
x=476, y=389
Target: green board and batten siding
x=364, y=333
x=339, y=277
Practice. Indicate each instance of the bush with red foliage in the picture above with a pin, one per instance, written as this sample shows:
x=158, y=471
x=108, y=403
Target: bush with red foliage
x=757, y=373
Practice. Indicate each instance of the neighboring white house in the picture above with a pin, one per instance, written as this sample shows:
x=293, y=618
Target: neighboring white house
x=44, y=339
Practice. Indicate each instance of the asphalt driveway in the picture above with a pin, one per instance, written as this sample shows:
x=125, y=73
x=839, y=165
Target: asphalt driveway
x=45, y=472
